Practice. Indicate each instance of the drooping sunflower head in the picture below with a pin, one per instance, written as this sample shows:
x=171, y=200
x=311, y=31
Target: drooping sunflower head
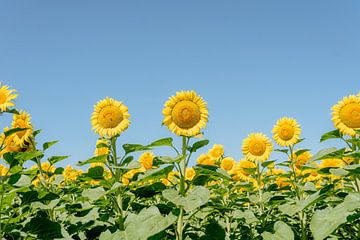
x=110, y=117
x=22, y=120
x=346, y=115
x=185, y=114
x=286, y=131
x=6, y=97
x=257, y=146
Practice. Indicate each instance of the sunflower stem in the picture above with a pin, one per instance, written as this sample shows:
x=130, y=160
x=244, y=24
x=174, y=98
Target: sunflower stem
x=180, y=223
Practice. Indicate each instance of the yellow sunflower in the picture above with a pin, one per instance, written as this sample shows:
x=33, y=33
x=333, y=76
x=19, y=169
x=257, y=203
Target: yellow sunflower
x=185, y=114
x=22, y=120
x=146, y=160
x=6, y=97
x=302, y=158
x=331, y=163
x=71, y=174
x=346, y=115
x=216, y=151
x=189, y=173
x=227, y=163
x=240, y=171
x=110, y=117
x=257, y=146
x=8, y=144
x=205, y=159
x=101, y=150
x=286, y=132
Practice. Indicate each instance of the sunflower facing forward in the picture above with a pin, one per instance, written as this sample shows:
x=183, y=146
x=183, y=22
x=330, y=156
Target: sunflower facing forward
x=346, y=115
x=185, y=114
x=6, y=97
x=110, y=117
x=286, y=132
x=22, y=120
x=257, y=146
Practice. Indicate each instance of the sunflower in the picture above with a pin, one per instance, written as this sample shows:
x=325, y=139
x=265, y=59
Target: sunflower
x=205, y=159
x=185, y=114
x=216, y=151
x=189, y=173
x=101, y=150
x=227, y=163
x=240, y=170
x=71, y=174
x=146, y=160
x=331, y=163
x=257, y=146
x=286, y=132
x=110, y=117
x=22, y=120
x=8, y=144
x=3, y=170
x=346, y=115
x=302, y=158
x=6, y=97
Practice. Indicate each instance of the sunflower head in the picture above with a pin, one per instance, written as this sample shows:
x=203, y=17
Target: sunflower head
x=6, y=97
x=146, y=160
x=101, y=150
x=185, y=114
x=346, y=115
x=216, y=151
x=331, y=163
x=190, y=174
x=205, y=159
x=286, y=131
x=227, y=163
x=110, y=117
x=257, y=146
x=302, y=158
x=22, y=120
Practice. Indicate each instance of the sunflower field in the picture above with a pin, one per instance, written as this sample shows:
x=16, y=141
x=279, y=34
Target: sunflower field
x=114, y=195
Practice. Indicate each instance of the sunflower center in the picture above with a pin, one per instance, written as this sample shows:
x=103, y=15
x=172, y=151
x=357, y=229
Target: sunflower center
x=110, y=117
x=350, y=115
x=257, y=148
x=2, y=98
x=286, y=132
x=186, y=114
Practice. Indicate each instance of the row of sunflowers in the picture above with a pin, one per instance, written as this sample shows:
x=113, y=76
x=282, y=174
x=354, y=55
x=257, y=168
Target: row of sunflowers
x=300, y=196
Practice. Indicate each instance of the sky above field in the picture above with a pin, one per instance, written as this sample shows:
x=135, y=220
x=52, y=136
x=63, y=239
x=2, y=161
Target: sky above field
x=252, y=61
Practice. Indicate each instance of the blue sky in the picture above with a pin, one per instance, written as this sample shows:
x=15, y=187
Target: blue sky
x=253, y=61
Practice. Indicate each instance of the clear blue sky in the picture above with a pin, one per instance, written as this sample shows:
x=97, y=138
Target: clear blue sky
x=253, y=61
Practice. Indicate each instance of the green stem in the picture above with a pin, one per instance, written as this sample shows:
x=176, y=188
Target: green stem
x=180, y=223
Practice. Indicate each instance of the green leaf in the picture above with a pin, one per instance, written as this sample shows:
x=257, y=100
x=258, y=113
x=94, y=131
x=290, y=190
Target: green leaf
x=55, y=159
x=282, y=232
x=213, y=231
x=49, y=144
x=211, y=171
x=282, y=150
x=331, y=135
x=248, y=215
x=291, y=209
x=322, y=153
x=12, y=131
x=339, y=172
x=267, y=163
x=196, y=197
x=43, y=228
x=96, y=173
x=149, y=190
x=98, y=159
x=19, y=180
x=301, y=151
x=146, y=224
x=197, y=145
x=162, y=142
x=93, y=193
x=128, y=148
x=156, y=173
x=127, y=160
x=24, y=156
x=168, y=160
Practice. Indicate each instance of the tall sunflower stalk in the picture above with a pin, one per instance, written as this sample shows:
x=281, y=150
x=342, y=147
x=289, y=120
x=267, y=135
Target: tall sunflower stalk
x=109, y=119
x=185, y=114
